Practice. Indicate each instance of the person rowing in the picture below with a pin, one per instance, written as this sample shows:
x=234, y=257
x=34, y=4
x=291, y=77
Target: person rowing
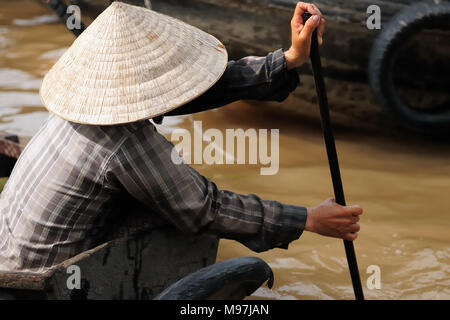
x=98, y=144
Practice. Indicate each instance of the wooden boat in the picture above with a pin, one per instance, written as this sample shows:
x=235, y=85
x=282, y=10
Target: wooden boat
x=409, y=67
x=139, y=258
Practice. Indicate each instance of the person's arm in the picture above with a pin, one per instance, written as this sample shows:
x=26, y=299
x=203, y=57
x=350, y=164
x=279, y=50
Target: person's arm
x=144, y=168
x=256, y=78
x=270, y=78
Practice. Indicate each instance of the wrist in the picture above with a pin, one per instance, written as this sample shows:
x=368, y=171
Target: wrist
x=291, y=58
x=309, y=225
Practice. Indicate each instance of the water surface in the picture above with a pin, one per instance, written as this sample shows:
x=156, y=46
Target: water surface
x=402, y=184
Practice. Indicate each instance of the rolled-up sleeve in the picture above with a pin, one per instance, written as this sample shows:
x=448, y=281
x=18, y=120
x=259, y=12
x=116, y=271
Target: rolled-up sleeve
x=144, y=167
x=250, y=78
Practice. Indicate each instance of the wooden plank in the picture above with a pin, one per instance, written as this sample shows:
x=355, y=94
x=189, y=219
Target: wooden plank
x=23, y=280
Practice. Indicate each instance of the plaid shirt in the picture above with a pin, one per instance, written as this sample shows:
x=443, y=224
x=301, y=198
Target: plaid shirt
x=70, y=175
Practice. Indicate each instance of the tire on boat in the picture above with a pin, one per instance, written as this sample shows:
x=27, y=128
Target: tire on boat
x=401, y=28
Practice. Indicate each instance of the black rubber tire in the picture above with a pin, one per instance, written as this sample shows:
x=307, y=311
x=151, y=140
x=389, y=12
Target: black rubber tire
x=400, y=28
x=232, y=279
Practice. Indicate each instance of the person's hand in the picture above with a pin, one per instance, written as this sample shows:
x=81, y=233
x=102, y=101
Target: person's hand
x=333, y=220
x=301, y=34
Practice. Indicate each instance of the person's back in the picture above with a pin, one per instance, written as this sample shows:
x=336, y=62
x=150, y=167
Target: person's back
x=55, y=193
x=68, y=178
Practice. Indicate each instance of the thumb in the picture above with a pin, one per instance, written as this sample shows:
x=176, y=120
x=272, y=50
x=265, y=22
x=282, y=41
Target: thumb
x=310, y=26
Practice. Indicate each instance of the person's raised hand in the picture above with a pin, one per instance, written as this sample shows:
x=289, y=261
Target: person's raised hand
x=301, y=34
x=333, y=220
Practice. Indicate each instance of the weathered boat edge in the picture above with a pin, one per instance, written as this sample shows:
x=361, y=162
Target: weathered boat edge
x=123, y=267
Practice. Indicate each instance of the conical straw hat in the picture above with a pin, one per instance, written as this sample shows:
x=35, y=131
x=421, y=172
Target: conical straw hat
x=131, y=64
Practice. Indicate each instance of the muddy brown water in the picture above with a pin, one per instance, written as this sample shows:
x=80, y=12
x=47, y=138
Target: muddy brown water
x=402, y=184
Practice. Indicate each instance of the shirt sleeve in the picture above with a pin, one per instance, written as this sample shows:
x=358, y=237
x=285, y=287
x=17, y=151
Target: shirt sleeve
x=146, y=167
x=253, y=78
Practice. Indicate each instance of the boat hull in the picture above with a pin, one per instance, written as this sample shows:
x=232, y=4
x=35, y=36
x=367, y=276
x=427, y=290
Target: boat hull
x=256, y=27
x=136, y=257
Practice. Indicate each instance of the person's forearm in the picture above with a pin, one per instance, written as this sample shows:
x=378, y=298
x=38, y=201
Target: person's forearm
x=254, y=78
x=258, y=224
x=145, y=168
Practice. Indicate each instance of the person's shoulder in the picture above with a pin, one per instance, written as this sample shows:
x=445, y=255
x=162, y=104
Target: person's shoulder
x=132, y=127
x=132, y=134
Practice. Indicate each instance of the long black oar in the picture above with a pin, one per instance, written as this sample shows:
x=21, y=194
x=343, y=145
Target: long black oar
x=332, y=155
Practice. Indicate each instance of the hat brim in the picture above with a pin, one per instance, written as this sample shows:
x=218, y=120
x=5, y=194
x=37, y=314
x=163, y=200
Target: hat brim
x=132, y=64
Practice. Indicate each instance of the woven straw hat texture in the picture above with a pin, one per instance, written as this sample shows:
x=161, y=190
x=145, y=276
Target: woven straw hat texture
x=131, y=64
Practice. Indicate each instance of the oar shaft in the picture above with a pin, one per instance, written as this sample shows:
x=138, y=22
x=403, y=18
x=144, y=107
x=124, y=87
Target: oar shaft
x=332, y=157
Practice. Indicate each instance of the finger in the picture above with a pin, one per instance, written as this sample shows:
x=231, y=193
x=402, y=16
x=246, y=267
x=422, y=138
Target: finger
x=353, y=210
x=310, y=26
x=320, y=31
x=312, y=8
x=350, y=236
x=300, y=9
x=347, y=219
x=354, y=228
